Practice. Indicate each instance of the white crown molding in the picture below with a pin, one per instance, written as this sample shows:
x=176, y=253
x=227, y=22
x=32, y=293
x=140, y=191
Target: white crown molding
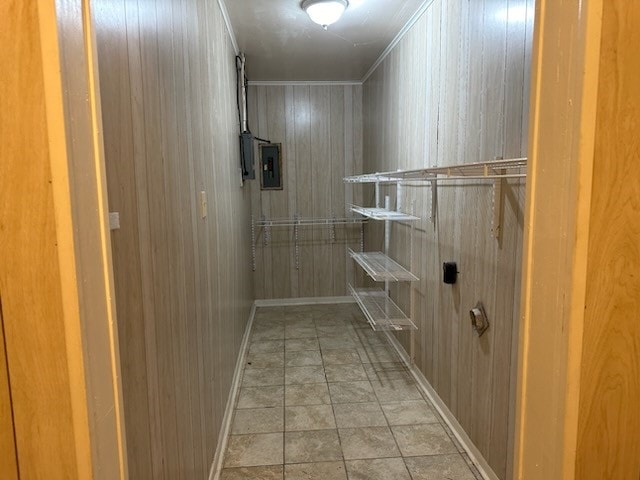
x=276, y=83
x=227, y=21
x=407, y=26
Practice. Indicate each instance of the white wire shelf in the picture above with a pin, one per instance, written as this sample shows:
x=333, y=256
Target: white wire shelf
x=292, y=222
x=488, y=170
x=382, y=214
x=380, y=267
x=381, y=312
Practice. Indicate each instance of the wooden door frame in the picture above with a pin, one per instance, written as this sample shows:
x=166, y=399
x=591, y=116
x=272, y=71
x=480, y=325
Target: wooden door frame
x=59, y=311
x=565, y=75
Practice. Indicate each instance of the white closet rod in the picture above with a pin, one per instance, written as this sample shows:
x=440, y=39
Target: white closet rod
x=488, y=170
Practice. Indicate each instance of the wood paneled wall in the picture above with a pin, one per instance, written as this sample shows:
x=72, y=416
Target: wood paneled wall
x=320, y=128
x=455, y=90
x=61, y=364
x=183, y=283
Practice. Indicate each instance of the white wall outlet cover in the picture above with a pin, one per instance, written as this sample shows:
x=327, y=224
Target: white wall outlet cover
x=114, y=220
x=203, y=204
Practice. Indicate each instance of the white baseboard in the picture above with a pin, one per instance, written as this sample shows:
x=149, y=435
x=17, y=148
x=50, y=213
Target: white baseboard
x=462, y=437
x=216, y=466
x=283, y=302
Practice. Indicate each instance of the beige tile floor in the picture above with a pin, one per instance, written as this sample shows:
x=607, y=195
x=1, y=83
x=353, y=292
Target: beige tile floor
x=323, y=397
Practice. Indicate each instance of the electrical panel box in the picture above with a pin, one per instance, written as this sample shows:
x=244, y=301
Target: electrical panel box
x=270, y=166
x=246, y=156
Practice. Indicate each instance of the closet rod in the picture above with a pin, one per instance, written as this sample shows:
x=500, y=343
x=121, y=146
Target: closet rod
x=491, y=169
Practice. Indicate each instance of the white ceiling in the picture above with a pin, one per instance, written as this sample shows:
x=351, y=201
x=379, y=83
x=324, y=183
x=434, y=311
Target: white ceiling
x=282, y=43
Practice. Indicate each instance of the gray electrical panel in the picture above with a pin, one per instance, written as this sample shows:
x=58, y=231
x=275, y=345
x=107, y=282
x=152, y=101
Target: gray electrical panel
x=270, y=166
x=246, y=156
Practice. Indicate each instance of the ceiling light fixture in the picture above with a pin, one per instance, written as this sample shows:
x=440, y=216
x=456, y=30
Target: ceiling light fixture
x=324, y=12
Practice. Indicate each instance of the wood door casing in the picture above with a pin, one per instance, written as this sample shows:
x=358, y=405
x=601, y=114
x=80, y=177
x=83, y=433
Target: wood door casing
x=8, y=458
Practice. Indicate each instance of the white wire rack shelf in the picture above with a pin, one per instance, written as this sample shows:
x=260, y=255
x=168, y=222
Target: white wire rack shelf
x=380, y=267
x=382, y=313
x=264, y=225
x=488, y=170
x=382, y=214
x=292, y=222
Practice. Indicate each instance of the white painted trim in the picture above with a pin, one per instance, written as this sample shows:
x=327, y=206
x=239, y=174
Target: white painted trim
x=462, y=437
x=283, y=302
x=223, y=436
x=227, y=21
x=407, y=26
x=285, y=83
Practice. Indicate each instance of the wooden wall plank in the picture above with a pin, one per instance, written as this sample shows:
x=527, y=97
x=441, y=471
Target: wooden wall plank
x=175, y=63
x=463, y=65
x=339, y=155
x=320, y=166
x=304, y=192
x=321, y=133
x=121, y=179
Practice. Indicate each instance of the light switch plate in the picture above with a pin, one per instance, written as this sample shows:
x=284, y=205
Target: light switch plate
x=203, y=204
x=114, y=220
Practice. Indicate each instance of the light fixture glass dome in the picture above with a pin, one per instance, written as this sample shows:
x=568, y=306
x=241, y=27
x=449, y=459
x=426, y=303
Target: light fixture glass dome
x=324, y=12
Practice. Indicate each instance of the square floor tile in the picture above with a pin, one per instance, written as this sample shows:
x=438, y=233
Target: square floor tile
x=437, y=467
x=254, y=450
x=412, y=412
x=300, y=332
x=307, y=394
x=274, y=472
x=378, y=469
x=369, y=338
x=265, y=360
x=336, y=342
x=349, y=415
x=370, y=442
x=315, y=471
x=309, y=417
x=395, y=390
x=258, y=420
x=341, y=357
x=298, y=375
x=351, y=392
x=301, y=344
x=378, y=355
x=345, y=373
x=332, y=320
x=325, y=330
x=313, y=446
x=274, y=333
x=254, y=377
x=303, y=359
x=387, y=371
x=257, y=397
x=267, y=346
x=427, y=439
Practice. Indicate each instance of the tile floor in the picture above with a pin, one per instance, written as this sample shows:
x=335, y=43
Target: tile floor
x=323, y=397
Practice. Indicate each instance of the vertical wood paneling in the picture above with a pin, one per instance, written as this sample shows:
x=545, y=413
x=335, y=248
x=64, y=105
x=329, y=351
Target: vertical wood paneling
x=117, y=124
x=451, y=92
x=320, y=129
x=183, y=285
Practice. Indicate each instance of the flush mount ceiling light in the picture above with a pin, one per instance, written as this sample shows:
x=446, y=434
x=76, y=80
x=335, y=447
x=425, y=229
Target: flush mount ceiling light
x=324, y=12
